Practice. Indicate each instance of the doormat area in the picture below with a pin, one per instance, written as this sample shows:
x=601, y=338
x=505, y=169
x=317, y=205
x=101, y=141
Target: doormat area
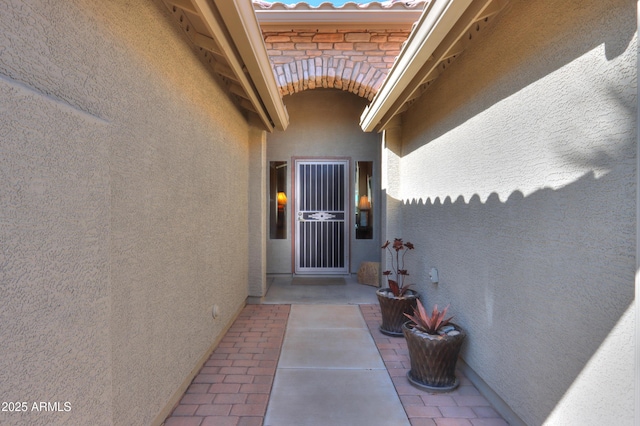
x=318, y=281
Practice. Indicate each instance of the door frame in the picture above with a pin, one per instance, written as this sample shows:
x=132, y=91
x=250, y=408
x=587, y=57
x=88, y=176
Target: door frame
x=348, y=211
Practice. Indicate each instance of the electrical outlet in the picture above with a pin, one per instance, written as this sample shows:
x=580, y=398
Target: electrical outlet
x=433, y=275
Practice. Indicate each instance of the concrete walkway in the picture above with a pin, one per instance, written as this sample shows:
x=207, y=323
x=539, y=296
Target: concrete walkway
x=287, y=363
x=331, y=373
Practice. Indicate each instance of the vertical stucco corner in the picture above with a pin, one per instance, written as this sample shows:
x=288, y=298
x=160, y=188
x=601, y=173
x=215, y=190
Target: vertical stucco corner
x=257, y=218
x=391, y=149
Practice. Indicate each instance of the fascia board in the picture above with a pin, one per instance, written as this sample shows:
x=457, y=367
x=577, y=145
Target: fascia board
x=433, y=26
x=338, y=18
x=241, y=22
x=220, y=34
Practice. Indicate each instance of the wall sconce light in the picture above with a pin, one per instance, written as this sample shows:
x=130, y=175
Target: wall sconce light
x=364, y=203
x=282, y=199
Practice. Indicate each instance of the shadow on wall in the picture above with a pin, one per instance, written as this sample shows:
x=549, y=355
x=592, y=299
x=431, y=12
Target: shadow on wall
x=538, y=281
x=535, y=250
x=527, y=57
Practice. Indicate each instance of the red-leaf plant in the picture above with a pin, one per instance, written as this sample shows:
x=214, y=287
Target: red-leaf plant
x=429, y=323
x=397, y=266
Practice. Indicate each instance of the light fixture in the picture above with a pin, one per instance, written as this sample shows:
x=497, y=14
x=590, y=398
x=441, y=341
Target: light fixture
x=282, y=199
x=364, y=203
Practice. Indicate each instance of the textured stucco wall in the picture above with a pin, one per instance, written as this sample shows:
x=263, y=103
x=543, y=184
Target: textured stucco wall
x=324, y=123
x=258, y=226
x=518, y=178
x=118, y=158
x=391, y=218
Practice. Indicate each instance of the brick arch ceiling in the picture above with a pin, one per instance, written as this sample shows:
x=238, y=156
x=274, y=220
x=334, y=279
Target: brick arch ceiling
x=356, y=61
x=359, y=78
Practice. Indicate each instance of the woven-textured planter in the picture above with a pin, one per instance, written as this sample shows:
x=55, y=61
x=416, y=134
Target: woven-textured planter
x=433, y=358
x=393, y=310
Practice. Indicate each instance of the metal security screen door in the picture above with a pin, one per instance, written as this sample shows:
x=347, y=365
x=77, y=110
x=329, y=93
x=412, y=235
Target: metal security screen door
x=321, y=217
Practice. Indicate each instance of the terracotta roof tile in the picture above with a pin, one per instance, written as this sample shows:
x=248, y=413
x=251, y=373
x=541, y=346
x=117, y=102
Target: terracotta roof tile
x=385, y=5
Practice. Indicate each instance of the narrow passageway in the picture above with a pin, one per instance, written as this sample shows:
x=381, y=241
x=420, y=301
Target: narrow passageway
x=292, y=364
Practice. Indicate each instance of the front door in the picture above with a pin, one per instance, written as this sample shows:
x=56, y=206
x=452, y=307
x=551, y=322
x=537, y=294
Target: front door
x=322, y=219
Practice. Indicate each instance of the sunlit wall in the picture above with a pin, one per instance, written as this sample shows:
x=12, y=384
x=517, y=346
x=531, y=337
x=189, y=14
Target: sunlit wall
x=517, y=182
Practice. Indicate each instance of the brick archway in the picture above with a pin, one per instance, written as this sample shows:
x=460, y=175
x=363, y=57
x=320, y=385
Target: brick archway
x=359, y=78
x=353, y=60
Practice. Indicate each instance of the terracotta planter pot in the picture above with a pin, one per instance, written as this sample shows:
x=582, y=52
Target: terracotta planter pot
x=433, y=358
x=393, y=310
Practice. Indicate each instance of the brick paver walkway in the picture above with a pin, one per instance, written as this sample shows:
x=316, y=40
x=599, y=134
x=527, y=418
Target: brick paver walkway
x=233, y=387
x=464, y=406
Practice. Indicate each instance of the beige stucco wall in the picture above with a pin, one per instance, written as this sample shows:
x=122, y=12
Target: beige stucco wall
x=518, y=180
x=119, y=156
x=257, y=214
x=324, y=123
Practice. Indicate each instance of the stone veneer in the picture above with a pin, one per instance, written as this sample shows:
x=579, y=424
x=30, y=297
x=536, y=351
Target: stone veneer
x=354, y=60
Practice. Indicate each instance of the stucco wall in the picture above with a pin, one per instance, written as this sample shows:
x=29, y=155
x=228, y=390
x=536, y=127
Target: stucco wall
x=324, y=123
x=118, y=157
x=518, y=183
x=391, y=220
x=258, y=226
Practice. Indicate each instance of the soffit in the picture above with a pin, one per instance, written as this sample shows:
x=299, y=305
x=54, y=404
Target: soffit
x=228, y=36
x=441, y=30
x=444, y=31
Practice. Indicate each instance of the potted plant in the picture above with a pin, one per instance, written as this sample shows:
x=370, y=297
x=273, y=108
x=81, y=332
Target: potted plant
x=434, y=344
x=397, y=299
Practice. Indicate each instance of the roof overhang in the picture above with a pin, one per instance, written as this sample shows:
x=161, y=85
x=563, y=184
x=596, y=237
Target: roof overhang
x=230, y=31
x=243, y=26
x=442, y=32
